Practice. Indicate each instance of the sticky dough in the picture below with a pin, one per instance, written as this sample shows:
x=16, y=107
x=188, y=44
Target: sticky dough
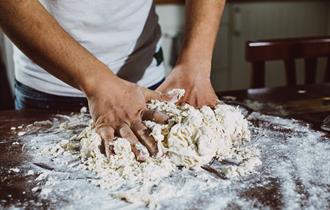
x=192, y=137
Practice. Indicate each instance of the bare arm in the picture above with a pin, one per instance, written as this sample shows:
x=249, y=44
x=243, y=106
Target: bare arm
x=202, y=24
x=42, y=39
x=192, y=71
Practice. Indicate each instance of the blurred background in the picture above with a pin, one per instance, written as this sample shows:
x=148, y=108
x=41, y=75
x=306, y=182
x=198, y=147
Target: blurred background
x=247, y=20
x=243, y=20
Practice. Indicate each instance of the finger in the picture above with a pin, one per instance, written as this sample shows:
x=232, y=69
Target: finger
x=155, y=95
x=107, y=136
x=210, y=101
x=126, y=132
x=155, y=116
x=180, y=99
x=174, y=95
x=197, y=103
x=177, y=95
x=142, y=132
x=213, y=102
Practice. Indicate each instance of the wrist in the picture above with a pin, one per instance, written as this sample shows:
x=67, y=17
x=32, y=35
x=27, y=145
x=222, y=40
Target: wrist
x=193, y=68
x=196, y=53
x=195, y=62
x=91, y=83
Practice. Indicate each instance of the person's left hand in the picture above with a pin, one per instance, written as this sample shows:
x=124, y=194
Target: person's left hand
x=196, y=83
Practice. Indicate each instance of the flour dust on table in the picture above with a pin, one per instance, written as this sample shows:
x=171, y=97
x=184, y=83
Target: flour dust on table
x=190, y=139
x=294, y=173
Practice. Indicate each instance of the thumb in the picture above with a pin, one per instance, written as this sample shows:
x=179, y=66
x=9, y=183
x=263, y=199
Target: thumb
x=155, y=95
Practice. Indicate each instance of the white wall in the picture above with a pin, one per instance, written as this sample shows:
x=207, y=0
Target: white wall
x=251, y=21
x=271, y=20
x=172, y=20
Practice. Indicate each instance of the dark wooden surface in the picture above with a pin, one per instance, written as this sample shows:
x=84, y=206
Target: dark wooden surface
x=288, y=50
x=308, y=103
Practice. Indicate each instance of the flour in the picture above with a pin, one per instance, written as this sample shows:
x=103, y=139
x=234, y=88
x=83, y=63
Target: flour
x=190, y=139
x=294, y=173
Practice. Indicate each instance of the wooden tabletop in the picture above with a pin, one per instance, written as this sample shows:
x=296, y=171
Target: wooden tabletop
x=308, y=103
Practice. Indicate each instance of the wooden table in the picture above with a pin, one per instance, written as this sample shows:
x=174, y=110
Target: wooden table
x=307, y=103
x=310, y=103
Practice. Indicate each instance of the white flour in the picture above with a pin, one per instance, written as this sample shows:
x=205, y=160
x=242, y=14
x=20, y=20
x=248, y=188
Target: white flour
x=294, y=173
x=191, y=138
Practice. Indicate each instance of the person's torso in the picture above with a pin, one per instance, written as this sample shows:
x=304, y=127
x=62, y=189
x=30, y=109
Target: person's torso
x=123, y=34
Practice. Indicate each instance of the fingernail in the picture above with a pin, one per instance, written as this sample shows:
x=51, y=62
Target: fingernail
x=144, y=154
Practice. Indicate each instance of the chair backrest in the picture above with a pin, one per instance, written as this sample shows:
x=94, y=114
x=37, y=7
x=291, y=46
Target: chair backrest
x=310, y=49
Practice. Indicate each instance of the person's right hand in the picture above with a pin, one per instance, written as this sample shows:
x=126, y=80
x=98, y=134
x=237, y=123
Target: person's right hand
x=118, y=108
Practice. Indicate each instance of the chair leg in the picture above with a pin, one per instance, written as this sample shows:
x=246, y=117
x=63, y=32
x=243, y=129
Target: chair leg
x=327, y=71
x=290, y=71
x=258, y=74
x=310, y=70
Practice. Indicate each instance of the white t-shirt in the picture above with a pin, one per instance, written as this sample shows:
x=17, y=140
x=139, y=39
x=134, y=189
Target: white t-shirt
x=123, y=34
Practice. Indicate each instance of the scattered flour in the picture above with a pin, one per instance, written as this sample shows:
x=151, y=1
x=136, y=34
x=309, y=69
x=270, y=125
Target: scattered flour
x=294, y=173
x=14, y=170
x=190, y=139
x=21, y=133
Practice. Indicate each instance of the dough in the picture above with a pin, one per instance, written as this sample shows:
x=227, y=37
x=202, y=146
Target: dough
x=191, y=138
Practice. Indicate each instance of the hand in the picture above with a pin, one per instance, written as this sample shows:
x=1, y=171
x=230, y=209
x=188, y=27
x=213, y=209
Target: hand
x=118, y=108
x=195, y=82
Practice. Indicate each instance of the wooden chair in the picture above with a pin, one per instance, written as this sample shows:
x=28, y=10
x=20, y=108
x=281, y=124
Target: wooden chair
x=310, y=49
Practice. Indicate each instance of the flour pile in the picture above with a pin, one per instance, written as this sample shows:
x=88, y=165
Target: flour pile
x=191, y=138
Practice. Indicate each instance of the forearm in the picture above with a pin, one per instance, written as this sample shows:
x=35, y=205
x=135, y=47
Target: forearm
x=32, y=29
x=202, y=23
